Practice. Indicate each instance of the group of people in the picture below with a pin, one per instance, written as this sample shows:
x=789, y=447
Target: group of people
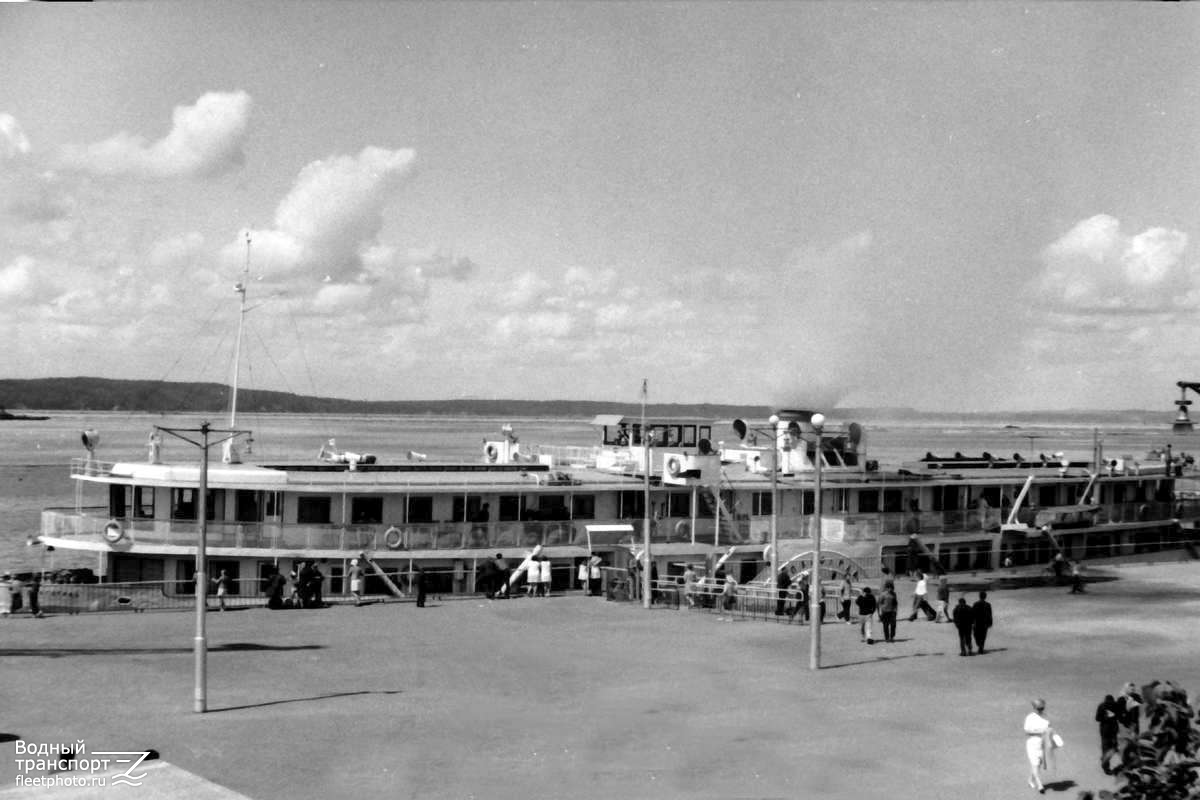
x=306, y=587
x=1114, y=715
x=13, y=594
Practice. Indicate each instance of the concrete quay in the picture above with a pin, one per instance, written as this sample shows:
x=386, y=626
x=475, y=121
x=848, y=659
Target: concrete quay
x=577, y=697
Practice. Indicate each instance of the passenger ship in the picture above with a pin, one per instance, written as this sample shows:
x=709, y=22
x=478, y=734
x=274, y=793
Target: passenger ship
x=705, y=503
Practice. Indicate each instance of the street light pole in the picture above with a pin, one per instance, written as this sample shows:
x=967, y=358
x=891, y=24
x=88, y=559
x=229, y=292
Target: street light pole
x=815, y=588
x=200, y=641
x=774, y=560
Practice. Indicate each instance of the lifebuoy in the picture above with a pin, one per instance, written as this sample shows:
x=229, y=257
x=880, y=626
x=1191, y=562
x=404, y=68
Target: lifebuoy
x=393, y=538
x=683, y=529
x=113, y=531
x=673, y=467
x=491, y=453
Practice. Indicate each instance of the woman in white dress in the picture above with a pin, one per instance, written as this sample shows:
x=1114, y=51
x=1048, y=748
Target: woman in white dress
x=1039, y=740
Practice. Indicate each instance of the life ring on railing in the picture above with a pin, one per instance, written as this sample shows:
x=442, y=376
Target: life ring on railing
x=113, y=532
x=674, y=467
x=683, y=529
x=491, y=453
x=393, y=538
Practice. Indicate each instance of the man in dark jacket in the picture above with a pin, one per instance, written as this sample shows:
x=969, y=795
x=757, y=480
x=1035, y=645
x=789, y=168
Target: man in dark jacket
x=783, y=579
x=1107, y=715
x=866, y=611
x=889, y=607
x=981, y=616
x=963, y=619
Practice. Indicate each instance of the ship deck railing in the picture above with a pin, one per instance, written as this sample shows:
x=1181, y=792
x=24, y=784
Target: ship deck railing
x=382, y=537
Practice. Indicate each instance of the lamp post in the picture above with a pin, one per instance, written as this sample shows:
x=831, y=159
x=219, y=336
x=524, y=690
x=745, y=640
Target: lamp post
x=815, y=588
x=200, y=643
x=774, y=560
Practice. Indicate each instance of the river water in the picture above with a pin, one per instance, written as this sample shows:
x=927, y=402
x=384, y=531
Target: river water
x=36, y=455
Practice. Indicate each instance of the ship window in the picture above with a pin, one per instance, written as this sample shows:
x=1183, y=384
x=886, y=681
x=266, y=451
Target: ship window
x=143, y=502
x=466, y=508
x=366, y=510
x=117, y=499
x=706, y=432
x=688, y=436
x=868, y=501
x=760, y=503
x=945, y=498
x=633, y=504
x=679, y=505
x=583, y=506
x=420, y=508
x=183, y=503
x=313, y=509
x=271, y=504
x=891, y=500
x=839, y=500
x=510, y=508
x=810, y=503
x=246, y=506
x=1047, y=495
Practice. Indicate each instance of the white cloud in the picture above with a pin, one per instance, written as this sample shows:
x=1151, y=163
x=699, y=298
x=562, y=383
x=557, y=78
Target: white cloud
x=17, y=280
x=325, y=248
x=13, y=142
x=205, y=139
x=1096, y=269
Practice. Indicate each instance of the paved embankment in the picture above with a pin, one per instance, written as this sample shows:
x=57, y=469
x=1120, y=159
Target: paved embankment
x=581, y=698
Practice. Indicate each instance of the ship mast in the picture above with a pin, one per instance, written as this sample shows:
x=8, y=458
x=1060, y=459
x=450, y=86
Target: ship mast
x=231, y=455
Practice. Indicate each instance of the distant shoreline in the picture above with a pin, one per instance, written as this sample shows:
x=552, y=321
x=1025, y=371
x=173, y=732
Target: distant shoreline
x=91, y=395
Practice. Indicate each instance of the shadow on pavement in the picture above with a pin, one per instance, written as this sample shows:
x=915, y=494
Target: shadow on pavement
x=303, y=699
x=63, y=652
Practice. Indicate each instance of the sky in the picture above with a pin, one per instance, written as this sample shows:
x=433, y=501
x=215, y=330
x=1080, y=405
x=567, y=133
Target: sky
x=943, y=206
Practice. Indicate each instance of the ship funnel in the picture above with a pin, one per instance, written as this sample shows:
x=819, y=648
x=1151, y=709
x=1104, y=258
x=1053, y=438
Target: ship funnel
x=740, y=428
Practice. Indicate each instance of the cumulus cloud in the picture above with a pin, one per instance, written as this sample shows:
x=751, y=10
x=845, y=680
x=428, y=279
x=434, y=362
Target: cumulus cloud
x=205, y=140
x=13, y=142
x=325, y=243
x=27, y=281
x=1095, y=268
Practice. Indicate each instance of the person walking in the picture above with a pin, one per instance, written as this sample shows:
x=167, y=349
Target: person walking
x=356, y=581
x=889, y=607
x=222, y=581
x=963, y=619
x=920, y=604
x=545, y=575
x=943, y=599
x=1040, y=739
x=421, y=582
x=689, y=586
x=866, y=612
x=35, y=586
x=1107, y=717
x=981, y=621
x=1076, y=577
x=783, y=583
x=845, y=596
